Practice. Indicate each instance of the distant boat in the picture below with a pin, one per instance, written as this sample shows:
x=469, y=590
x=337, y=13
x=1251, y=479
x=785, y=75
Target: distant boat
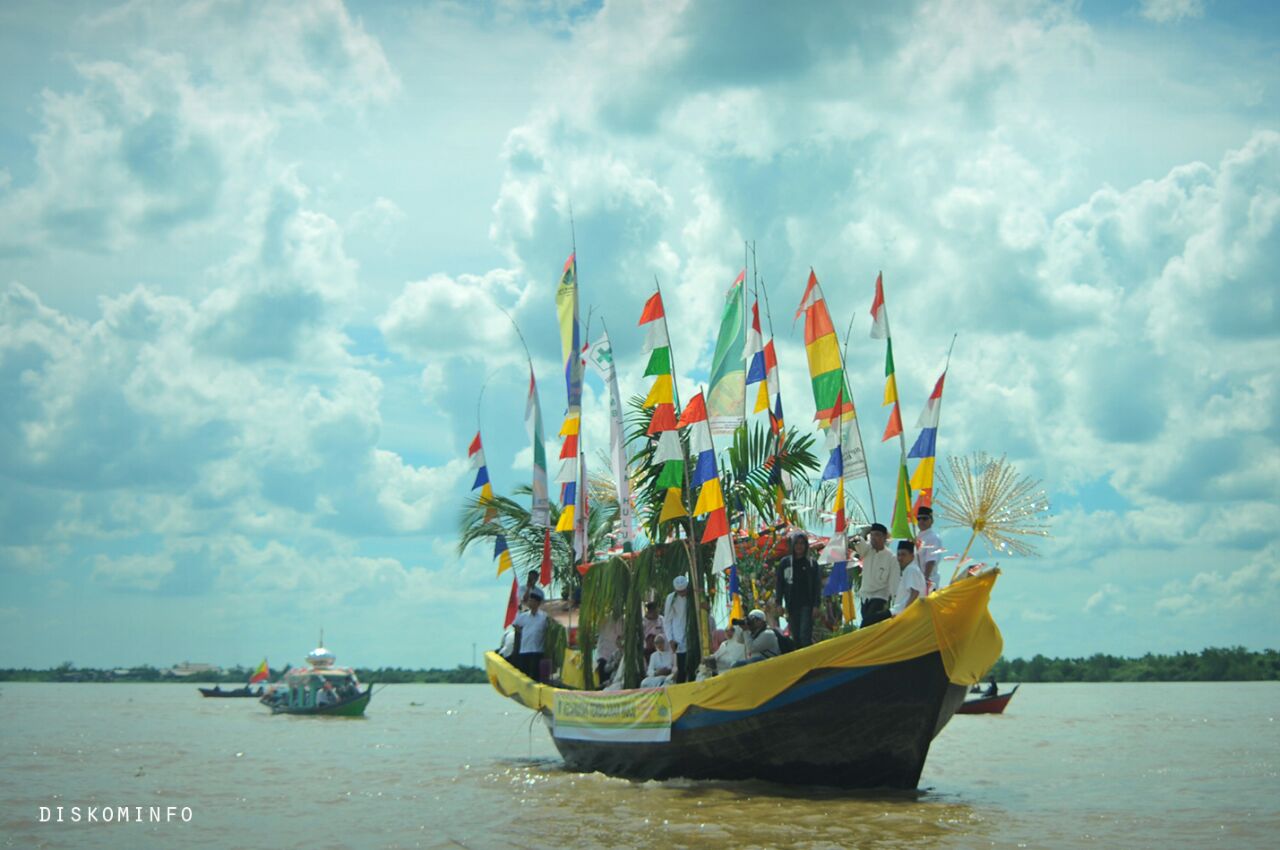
x=217, y=691
x=855, y=711
x=319, y=689
x=987, y=705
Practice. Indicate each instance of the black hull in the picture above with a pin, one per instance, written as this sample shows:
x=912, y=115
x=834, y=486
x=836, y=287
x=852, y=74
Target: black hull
x=849, y=728
x=210, y=692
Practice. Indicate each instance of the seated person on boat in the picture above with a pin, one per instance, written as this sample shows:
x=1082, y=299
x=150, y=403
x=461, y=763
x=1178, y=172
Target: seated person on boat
x=662, y=664
x=761, y=641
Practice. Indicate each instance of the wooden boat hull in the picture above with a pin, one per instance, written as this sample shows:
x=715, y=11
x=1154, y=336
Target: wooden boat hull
x=867, y=728
x=988, y=705
x=353, y=707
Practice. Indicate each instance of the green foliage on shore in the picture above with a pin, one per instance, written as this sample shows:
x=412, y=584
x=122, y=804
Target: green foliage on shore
x=1235, y=664
x=68, y=672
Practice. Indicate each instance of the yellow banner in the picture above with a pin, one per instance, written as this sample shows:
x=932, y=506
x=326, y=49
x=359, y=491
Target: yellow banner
x=636, y=716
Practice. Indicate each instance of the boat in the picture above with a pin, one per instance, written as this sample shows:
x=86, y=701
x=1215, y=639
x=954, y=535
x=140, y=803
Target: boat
x=987, y=705
x=217, y=691
x=320, y=689
x=855, y=711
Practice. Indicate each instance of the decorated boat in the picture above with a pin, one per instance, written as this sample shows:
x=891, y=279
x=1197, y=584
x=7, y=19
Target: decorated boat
x=857, y=711
x=320, y=689
x=987, y=704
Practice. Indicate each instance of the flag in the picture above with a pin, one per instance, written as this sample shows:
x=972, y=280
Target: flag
x=757, y=367
x=475, y=454
x=880, y=330
x=926, y=445
x=705, y=476
x=581, y=541
x=661, y=397
x=902, y=518
x=261, y=674
x=823, y=350
x=540, y=513
x=501, y=553
x=513, y=603
x=544, y=574
x=771, y=396
x=879, y=318
x=600, y=356
x=725, y=399
x=570, y=341
x=725, y=561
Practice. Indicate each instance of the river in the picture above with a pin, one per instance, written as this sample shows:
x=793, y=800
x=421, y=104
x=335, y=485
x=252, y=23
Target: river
x=1069, y=765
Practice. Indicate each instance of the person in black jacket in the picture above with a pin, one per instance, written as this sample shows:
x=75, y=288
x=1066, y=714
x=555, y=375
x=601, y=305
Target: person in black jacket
x=800, y=589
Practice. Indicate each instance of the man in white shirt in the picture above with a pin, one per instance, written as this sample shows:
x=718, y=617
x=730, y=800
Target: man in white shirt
x=530, y=582
x=531, y=632
x=880, y=573
x=662, y=664
x=675, y=623
x=928, y=549
x=911, y=584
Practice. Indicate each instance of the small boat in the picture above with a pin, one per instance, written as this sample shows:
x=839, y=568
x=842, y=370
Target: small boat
x=986, y=704
x=217, y=691
x=319, y=689
x=854, y=711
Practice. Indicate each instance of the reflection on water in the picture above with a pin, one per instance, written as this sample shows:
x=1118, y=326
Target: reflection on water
x=458, y=766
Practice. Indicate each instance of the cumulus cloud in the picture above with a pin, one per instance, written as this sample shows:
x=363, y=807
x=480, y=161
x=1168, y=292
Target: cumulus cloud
x=1167, y=11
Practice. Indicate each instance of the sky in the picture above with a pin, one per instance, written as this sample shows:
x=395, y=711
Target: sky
x=251, y=254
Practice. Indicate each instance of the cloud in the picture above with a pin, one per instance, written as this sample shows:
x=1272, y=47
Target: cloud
x=1172, y=11
x=1106, y=599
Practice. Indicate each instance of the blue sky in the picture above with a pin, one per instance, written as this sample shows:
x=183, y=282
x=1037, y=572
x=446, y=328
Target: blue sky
x=248, y=254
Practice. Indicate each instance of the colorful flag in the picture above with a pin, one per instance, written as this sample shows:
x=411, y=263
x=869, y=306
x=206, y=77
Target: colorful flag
x=540, y=513
x=261, y=674
x=501, y=553
x=705, y=476
x=823, y=349
x=661, y=398
x=880, y=330
x=725, y=563
x=600, y=355
x=475, y=453
x=570, y=340
x=757, y=368
x=926, y=445
x=513, y=603
x=725, y=400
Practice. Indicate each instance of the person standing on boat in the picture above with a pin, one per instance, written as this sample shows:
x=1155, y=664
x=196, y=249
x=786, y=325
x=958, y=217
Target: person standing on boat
x=911, y=585
x=800, y=589
x=675, y=624
x=530, y=584
x=880, y=574
x=928, y=548
x=531, y=630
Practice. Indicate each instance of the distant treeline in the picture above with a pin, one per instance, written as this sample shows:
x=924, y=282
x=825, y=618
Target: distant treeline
x=68, y=672
x=1236, y=664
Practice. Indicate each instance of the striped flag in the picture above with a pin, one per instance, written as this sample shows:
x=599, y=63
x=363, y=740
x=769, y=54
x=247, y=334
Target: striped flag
x=826, y=373
x=261, y=674
x=705, y=475
x=501, y=553
x=475, y=454
x=880, y=330
x=757, y=368
x=661, y=399
x=926, y=445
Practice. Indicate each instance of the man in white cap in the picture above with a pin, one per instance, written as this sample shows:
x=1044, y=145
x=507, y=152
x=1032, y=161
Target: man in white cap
x=675, y=624
x=662, y=665
x=762, y=643
x=531, y=630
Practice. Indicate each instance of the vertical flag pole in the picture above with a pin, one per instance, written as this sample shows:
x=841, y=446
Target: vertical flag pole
x=844, y=358
x=690, y=543
x=777, y=438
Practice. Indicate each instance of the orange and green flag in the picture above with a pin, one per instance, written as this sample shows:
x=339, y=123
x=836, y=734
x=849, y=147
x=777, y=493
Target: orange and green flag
x=261, y=674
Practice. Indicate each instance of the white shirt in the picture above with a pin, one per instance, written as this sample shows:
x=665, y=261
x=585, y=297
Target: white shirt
x=880, y=571
x=929, y=548
x=912, y=579
x=533, y=628
x=675, y=619
x=659, y=659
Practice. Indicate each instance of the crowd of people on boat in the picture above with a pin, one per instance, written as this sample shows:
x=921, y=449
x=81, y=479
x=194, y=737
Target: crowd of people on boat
x=893, y=578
